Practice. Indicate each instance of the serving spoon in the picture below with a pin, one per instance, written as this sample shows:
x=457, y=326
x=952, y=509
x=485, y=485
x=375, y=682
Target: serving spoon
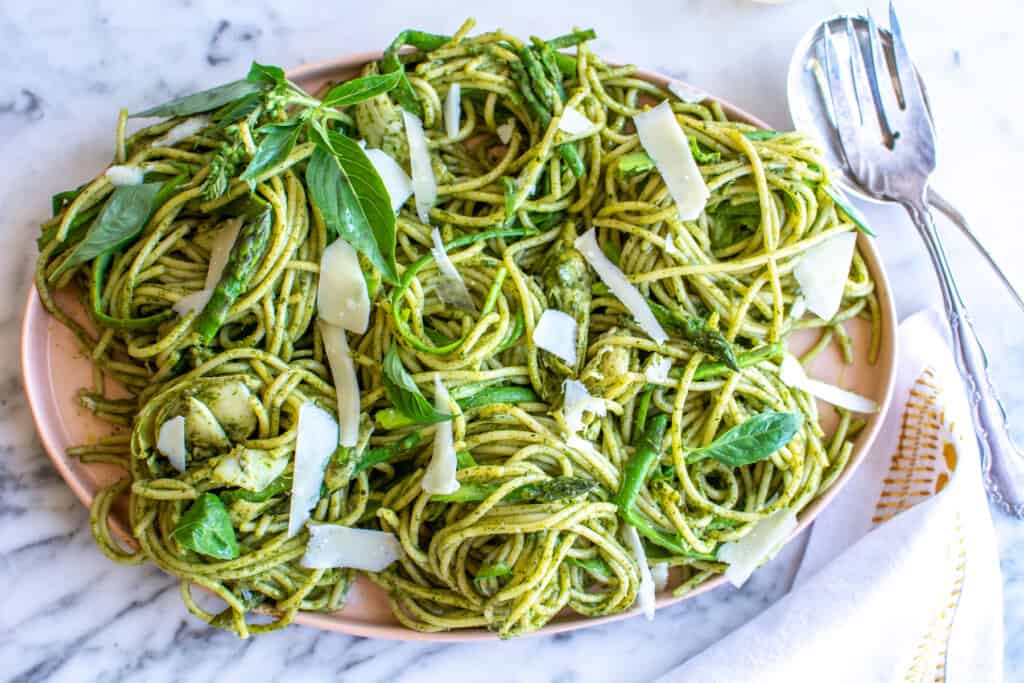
x=856, y=88
x=810, y=108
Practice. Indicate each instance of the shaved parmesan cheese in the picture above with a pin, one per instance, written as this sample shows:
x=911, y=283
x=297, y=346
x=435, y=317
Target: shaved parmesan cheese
x=575, y=400
x=621, y=287
x=670, y=247
x=645, y=596
x=220, y=250
x=799, y=307
x=665, y=142
x=657, y=371
x=341, y=297
x=315, y=441
x=452, y=289
x=453, y=110
x=186, y=128
x=556, y=333
x=574, y=123
x=125, y=175
x=440, y=475
x=659, y=573
x=822, y=273
x=334, y=545
x=196, y=301
x=505, y=131
x=687, y=93
x=762, y=544
x=170, y=441
x=793, y=374
x=395, y=180
x=424, y=184
x=346, y=383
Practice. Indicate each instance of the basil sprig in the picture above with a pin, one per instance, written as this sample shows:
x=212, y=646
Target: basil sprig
x=752, y=440
x=206, y=528
x=352, y=198
x=261, y=78
x=403, y=393
x=344, y=186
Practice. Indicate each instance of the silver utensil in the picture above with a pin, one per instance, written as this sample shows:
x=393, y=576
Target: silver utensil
x=810, y=107
x=882, y=127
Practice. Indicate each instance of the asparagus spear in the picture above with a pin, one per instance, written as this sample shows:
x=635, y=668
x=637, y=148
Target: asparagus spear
x=246, y=253
x=548, y=491
x=697, y=332
x=648, y=452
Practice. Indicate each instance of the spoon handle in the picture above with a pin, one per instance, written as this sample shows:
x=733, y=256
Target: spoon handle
x=1002, y=461
x=939, y=202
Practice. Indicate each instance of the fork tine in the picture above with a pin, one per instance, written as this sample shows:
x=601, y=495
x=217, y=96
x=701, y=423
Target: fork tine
x=875, y=66
x=844, y=116
x=910, y=90
x=860, y=84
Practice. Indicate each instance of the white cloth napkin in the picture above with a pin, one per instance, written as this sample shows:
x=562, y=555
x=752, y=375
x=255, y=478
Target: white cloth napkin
x=900, y=580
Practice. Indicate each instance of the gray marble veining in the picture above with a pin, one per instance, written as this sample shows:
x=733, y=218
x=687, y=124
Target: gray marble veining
x=70, y=615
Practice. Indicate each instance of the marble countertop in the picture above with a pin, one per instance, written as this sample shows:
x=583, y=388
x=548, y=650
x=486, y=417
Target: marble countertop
x=68, y=614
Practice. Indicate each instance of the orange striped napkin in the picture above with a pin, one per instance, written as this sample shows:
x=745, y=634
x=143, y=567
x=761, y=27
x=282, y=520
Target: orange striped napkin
x=900, y=579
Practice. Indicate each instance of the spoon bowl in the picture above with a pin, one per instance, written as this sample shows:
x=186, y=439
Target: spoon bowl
x=807, y=94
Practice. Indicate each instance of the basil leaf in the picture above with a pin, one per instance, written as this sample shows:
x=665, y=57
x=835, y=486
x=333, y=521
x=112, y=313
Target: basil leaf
x=99, y=270
x=240, y=109
x=702, y=157
x=266, y=75
x=278, y=142
x=465, y=459
x=204, y=100
x=595, y=566
x=492, y=571
x=761, y=134
x=468, y=492
x=360, y=89
x=352, y=199
x=403, y=393
x=280, y=485
x=123, y=217
x=732, y=222
x=206, y=528
x=614, y=254
x=752, y=440
x=635, y=163
x=374, y=456
x=849, y=209
x=510, y=198
x=61, y=199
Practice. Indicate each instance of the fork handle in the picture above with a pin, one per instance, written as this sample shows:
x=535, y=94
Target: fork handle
x=1002, y=461
x=939, y=202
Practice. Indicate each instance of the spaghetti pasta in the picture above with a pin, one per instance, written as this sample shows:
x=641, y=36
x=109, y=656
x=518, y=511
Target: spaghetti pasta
x=536, y=523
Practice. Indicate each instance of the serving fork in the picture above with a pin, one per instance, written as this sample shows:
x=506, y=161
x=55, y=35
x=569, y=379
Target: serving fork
x=886, y=136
